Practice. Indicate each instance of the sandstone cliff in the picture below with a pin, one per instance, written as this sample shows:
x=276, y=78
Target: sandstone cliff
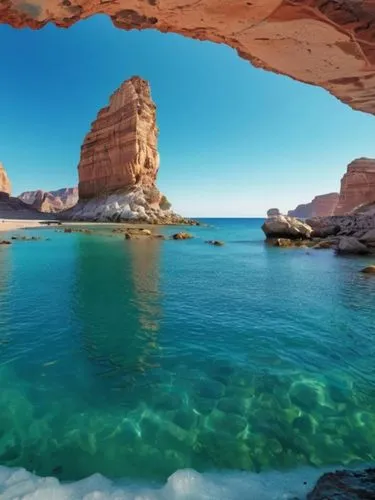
x=120, y=161
x=5, y=186
x=51, y=201
x=321, y=206
x=357, y=186
x=328, y=43
x=120, y=151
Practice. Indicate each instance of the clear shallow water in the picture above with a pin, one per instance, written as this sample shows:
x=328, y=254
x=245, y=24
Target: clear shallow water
x=136, y=359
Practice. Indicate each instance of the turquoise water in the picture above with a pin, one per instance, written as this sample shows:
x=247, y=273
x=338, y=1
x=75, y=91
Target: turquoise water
x=135, y=359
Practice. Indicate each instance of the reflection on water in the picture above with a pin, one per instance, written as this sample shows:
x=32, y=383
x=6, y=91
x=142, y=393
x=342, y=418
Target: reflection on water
x=118, y=305
x=5, y=283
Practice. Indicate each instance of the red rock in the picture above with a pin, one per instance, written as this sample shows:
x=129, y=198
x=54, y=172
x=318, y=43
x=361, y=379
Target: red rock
x=357, y=186
x=5, y=186
x=326, y=43
x=120, y=151
x=51, y=201
x=321, y=206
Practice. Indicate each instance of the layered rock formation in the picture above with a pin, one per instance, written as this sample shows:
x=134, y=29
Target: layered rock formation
x=321, y=206
x=326, y=43
x=5, y=186
x=51, y=201
x=121, y=148
x=357, y=186
x=120, y=161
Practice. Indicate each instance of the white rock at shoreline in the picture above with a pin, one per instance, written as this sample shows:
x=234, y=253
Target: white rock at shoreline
x=118, y=207
x=281, y=226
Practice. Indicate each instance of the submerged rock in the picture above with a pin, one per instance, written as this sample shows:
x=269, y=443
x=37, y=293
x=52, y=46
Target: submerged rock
x=138, y=234
x=215, y=243
x=325, y=245
x=368, y=270
x=5, y=242
x=26, y=238
x=345, y=485
x=286, y=227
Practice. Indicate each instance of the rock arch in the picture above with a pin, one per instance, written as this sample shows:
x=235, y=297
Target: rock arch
x=329, y=43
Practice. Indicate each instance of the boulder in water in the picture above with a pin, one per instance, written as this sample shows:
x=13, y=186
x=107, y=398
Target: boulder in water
x=215, y=243
x=368, y=270
x=182, y=236
x=282, y=226
x=350, y=245
x=345, y=485
x=368, y=238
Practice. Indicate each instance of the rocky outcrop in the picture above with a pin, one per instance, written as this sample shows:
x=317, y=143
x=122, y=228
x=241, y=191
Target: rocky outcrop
x=286, y=227
x=120, y=161
x=345, y=485
x=349, y=225
x=357, y=186
x=120, y=151
x=51, y=201
x=5, y=186
x=134, y=205
x=326, y=43
x=320, y=206
x=272, y=212
x=350, y=245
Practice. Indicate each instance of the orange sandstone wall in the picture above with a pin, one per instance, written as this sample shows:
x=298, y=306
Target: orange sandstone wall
x=120, y=151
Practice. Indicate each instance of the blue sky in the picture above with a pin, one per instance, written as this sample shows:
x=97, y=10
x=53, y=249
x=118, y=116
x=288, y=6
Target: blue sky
x=234, y=140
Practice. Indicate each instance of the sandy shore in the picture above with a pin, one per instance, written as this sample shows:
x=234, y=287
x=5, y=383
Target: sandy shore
x=12, y=224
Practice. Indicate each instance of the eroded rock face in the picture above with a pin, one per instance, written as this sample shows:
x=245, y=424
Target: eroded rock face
x=357, y=186
x=326, y=43
x=120, y=161
x=5, y=186
x=321, y=206
x=120, y=151
x=286, y=227
x=51, y=201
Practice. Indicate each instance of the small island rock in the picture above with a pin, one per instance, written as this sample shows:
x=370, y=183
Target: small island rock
x=286, y=227
x=182, y=236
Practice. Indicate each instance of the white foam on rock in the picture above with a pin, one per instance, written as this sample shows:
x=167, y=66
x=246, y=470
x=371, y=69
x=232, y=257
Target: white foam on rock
x=187, y=484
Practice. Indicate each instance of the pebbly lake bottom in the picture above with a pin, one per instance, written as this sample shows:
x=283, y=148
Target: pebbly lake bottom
x=137, y=359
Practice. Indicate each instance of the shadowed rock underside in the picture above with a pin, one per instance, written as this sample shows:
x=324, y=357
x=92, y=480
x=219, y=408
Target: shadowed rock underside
x=330, y=43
